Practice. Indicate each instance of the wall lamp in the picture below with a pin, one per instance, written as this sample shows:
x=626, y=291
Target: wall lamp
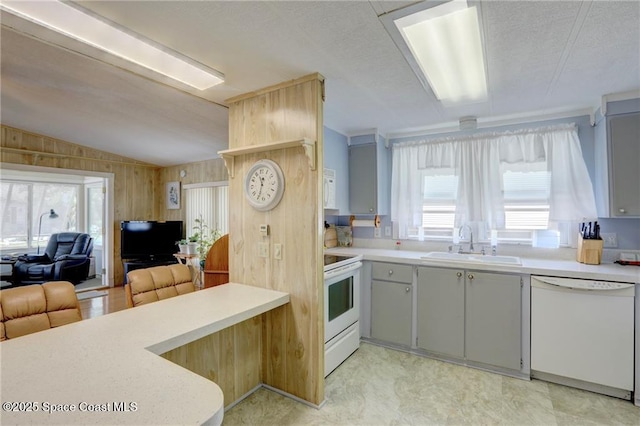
x=141, y=55
x=52, y=215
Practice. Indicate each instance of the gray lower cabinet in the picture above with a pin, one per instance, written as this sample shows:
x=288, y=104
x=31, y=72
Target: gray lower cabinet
x=441, y=311
x=391, y=302
x=471, y=315
x=493, y=319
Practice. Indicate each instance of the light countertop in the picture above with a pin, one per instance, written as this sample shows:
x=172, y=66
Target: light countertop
x=113, y=359
x=560, y=268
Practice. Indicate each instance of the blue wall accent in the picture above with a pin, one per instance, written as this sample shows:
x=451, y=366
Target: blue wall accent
x=627, y=230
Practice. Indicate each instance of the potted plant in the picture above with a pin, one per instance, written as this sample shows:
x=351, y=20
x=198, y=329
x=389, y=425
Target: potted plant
x=188, y=246
x=182, y=245
x=204, y=237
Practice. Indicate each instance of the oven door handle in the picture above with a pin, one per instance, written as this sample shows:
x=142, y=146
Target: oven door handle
x=342, y=270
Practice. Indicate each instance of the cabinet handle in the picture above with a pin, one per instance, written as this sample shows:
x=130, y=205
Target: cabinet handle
x=390, y=271
x=623, y=211
x=459, y=274
x=470, y=276
x=408, y=289
x=371, y=210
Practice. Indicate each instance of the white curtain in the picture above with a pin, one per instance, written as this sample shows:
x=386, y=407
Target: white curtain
x=571, y=192
x=476, y=160
x=406, y=189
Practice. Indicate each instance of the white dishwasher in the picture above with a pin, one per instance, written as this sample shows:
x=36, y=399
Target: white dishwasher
x=582, y=334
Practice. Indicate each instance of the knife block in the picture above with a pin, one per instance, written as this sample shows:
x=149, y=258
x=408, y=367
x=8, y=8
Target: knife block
x=589, y=251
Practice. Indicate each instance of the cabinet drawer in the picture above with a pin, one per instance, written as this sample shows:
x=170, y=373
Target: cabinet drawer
x=392, y=272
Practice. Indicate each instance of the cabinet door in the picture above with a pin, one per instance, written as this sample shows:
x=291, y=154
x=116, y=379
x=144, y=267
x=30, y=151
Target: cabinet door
x=441, y=311
x=391, y=312
x=493, y=319
x=624, y=139
x=363, y=179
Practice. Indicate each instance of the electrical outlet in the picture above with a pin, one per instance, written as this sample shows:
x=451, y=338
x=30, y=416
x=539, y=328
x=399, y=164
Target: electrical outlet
x=377, y=232
x=609, y=239
x=263, y=249
x=387, y=231
x=277, y=251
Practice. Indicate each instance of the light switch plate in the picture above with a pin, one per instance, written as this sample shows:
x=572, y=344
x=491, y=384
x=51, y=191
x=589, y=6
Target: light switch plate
x=277, y=251
x=263, y=249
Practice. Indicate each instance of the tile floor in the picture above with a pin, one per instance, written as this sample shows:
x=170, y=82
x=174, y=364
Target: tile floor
x=379, y=386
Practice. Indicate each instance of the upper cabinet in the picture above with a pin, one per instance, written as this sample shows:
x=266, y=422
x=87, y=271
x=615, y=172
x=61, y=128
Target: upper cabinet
x=624, y=148
x=368, y=175
x=617, y=160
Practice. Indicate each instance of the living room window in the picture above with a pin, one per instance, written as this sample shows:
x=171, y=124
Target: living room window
x=24, y=203
x=209, y=200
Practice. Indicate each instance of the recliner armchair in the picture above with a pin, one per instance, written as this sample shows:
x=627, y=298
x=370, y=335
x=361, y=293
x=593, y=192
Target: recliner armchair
x=66, y=258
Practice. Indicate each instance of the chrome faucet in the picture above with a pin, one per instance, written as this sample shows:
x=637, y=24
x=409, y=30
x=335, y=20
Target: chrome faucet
x=470, y=236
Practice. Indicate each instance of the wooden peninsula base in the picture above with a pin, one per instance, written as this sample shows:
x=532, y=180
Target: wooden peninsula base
x=106, y=370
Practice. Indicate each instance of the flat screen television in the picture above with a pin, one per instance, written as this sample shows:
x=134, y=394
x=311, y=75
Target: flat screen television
x=149, y=239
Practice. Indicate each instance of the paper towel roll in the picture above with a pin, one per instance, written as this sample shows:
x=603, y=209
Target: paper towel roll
x=363, y=223
x=370, y=223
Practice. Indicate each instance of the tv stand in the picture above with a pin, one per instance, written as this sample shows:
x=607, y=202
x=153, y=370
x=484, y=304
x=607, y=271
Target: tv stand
x=133, y=264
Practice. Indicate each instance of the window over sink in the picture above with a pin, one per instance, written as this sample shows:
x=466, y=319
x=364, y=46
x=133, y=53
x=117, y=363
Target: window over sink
x=502, y=184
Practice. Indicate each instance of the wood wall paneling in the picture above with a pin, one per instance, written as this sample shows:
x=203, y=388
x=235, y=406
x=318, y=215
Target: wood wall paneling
x=293, y=337
x=285, y=347
x=230, y=357
x=139, y=188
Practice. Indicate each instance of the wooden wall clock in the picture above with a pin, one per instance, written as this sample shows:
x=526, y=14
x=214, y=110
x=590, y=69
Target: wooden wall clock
x=264, y=185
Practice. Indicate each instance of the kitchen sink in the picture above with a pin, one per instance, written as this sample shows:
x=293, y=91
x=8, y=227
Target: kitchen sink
x=472, y=258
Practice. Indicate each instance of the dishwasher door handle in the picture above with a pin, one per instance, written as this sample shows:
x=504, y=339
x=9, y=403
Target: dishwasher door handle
x=565, y=285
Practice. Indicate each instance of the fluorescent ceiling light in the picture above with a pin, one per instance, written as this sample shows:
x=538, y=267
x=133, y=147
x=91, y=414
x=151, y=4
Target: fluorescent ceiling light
x=445, y=41
x=96, y=32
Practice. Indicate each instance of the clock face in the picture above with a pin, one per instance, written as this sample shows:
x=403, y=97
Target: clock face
x=264, y=185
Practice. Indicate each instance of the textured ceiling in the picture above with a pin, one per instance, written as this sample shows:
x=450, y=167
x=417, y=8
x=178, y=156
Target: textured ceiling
x=541, y=56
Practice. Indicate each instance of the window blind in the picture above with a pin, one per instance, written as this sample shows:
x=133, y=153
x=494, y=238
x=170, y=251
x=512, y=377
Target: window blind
x=210, y=202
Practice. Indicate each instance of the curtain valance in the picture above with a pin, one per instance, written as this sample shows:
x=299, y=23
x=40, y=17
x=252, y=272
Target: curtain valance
x=476, y=161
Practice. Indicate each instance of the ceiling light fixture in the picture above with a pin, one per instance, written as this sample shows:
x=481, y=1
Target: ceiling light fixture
x=443, y=45
x=106, y=36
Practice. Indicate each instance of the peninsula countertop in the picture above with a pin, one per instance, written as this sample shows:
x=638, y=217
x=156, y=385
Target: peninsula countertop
x=106, y=370
x=562, y=268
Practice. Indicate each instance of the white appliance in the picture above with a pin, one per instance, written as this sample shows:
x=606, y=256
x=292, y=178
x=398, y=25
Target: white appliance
x=329, y=189
x=582, y=334
x=341, y=309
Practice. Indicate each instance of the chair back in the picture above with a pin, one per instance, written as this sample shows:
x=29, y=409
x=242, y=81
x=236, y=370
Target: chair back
x=68, y=243
x=216, y=265
x=156, y=283
x=33, y=308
